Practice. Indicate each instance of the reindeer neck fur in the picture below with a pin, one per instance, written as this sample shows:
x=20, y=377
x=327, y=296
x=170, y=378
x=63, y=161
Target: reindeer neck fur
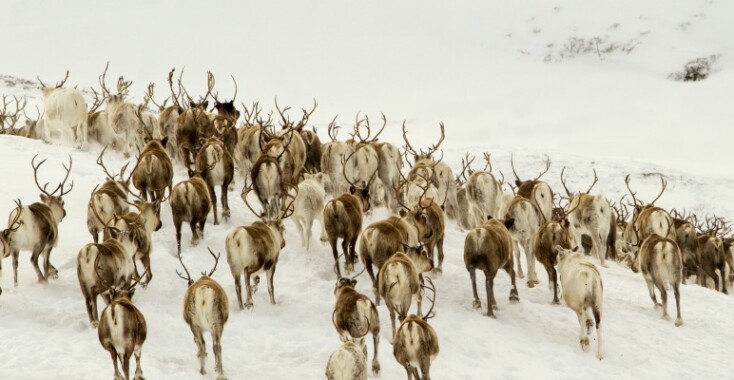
x=49, y=203
x=352, y=201
x=114, y=189
x=260, y=229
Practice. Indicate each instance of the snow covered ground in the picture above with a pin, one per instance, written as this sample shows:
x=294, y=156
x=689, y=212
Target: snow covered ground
x=500, y=75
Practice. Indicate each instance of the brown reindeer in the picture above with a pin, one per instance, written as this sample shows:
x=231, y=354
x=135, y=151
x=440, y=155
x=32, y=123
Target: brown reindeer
x=193, y=123
x=108, y=200
x=343, y=219
x=416, y=343
x=535, y=190
x=661, y=264
x=647, y=219
x=354, y=315
x=551, y=234
x=99, y=267
x=400, y=281
x=35, y=227
x=214, y=156
x=122, y=331
x=711, y=252
x=206, y=308
x=153, y=172
x=226, y=120
x=489, y=248
x=190, y=203
x=142, y=224
x=253, y=249
x=687, y=240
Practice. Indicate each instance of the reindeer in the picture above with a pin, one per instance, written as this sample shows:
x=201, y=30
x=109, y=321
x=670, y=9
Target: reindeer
x=108, y=200
x=355, y=315
x=206, y=308
x=250, y=139
x=12, y=117
x=193, y=123
x=489, y=248
x=216, y=159
x=103, y=266
x=647, y=219
x=348, y=362
x=415, y=344
x=400, y=281
x=711, y=252
x=190, y=203
x=582, y=293
x=483, y=189
x=551, y=234
x=98, y=121
x=528, y=219
x=122, y=330
x=661, y=264
x=470, y=215
x=536, y=191
x=592, y=216
x=256, y=248
x=66, y=108
x=226, y=120
x=687, y=240
x=121, y=115
x=35, y=227
x=289, y=144
x=153, y=172
x=309, y=206
x=343, y=219
x=439, y=172
x=333, y=159
x=169, y=115
x=269, y=185
x=364, y=160
x=313, y=150
x=141, y=224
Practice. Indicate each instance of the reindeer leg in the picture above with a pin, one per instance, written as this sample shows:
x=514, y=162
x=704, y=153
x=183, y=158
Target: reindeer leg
x=664, y=298
x=34, y=260
x=439, y=244
x=722, y=270
x=271, y=288
x=597, y=319
x=15, y=268
x=425, y=364
x=335, y=252
x=248, y=304
x=514, y=297
x=583, y=339
x=200, y=348
x=477, y=304
x=125, y=359
x=177, y=224
x=194, y=234
x=651, y=289
x=145, y=259
x=517, y=259
x=113, y=353
x=238, y=287
x=489, y=285
x=376, y=342
x=532, y=276
x=308, y=224
x=599, y=249
x=49, y=270
x=353, y=250
x=392, y=321
x=676, y=293
x=348, y=265
x=298, y=221
x=225, y=203
x=217, y=346
x=213, y=196
x=373, y=277
x=138, y=369
x=95, y=235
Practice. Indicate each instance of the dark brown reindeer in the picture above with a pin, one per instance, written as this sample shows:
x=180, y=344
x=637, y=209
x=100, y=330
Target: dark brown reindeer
x=535, y=190
x=190, y=203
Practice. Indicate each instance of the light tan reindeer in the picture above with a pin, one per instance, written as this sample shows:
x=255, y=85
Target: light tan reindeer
x=122, y=331
x=153, y=172
x=333, y=159
x=349, y=362
x=592, y=216
x=400, y=281
x=141, y=224
x=206, y=308
x=309, y=206
x=253, y=249
x=535, y=190
x=415, y=345
x=582, y=293
x=9, y=119
x=489, y=248
x=35, y=227
x=67, y=108
x=647, y=219
x=355, y=315
x=528, y=219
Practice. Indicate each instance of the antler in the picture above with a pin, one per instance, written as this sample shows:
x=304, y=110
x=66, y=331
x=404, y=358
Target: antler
x=11, y=226
x=596, y=179
x=100, y=162
x=216, y=261
x=465, y=165
x=285, y=122
x=433, y=148
x=408, y=148
x=384, y=123
x=306, y=116
x=518, y=181
x=174, y=96
x=245, y=192
x=563, y=182
x=289, y=209
x=344, y=170
x=488, y=160
x=20, y=104
x=333, y=129
x=547, y=167
x=432, y=288
x=58, y=85
x=123, y=86
x=61, y=185
x=148, y=97
x=216, y=99
x=101, y=78
x=635, y=201
x=145, y=128
x=188, y=276
x=664, y=186
x=251, y=114
x=98, y=101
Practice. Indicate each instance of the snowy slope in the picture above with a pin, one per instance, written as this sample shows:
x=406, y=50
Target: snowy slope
x=498, y=74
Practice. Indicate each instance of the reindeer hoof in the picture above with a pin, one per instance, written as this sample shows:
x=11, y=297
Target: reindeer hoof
x=584, y=344
x=476, y=304
x=658, y=306
x=437, y=270
x=491, y=315
x=216, y=223
x=203, y=371
x=249, y=305
x=678, y=322
x=194, y=243
x=95, y=324
x=375, y=367
x=514, y=297
x=555, y=302
x=221, y=377
x=520, y=275
x=531, y=284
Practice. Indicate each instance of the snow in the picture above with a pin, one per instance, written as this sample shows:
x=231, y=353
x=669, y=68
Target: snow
x=481, y=68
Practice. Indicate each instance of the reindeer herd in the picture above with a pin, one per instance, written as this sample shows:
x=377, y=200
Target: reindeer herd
x=293, y=175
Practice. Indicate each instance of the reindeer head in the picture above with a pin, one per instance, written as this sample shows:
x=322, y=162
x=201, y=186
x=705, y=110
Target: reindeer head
x=420, y=257
x=343, y=283
x=149, y=213
x=361, y=191
x=52, y=200
x=421, y=155
x=45, y=90
x=121, y=182
x=639, y=205
x=322, y=178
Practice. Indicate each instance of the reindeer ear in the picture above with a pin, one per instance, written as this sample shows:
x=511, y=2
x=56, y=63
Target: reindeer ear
x=565, y=223
x=353, y=282
x=415, y=158
x=402, y=212
x=205, y=104
x=489, y=217
x=44, y=197
x=146, y=140
x=576, y=248
x=191, y=173
x=352, y=189
x=365, y=192
x=164, y=141
x=509, y=223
